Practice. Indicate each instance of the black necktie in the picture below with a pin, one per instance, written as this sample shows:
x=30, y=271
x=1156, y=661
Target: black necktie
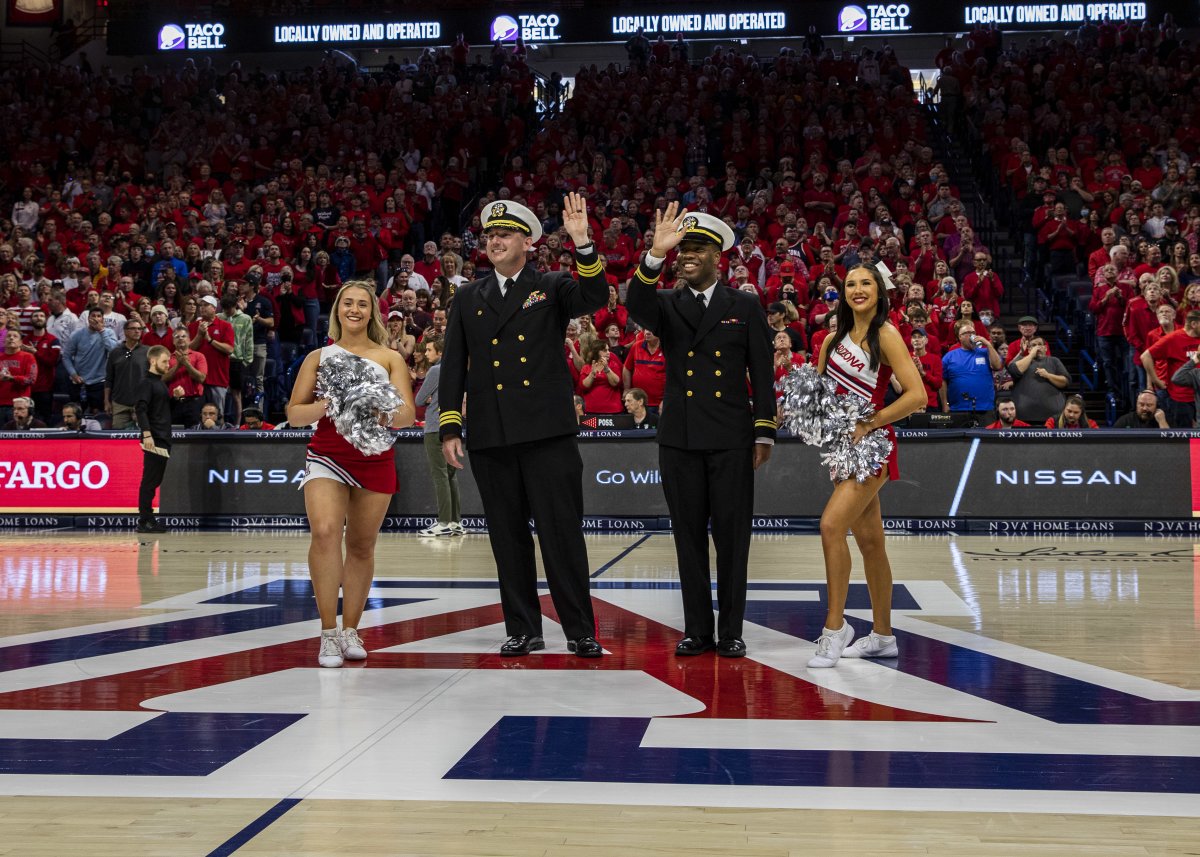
x=700, y=300
x=506, y=288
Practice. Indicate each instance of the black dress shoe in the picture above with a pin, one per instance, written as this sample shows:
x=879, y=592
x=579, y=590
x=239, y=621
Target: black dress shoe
x=694, y=646
x=521, y=644
x=585, y=647
x=732, y=648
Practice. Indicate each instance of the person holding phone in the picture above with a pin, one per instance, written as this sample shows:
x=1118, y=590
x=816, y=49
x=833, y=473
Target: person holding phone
x=967, y=372
x=1039, y=381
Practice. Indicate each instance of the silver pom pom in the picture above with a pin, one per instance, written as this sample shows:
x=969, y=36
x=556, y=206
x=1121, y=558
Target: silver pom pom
x=808, y=401
x=358, y=400
x=818, y=415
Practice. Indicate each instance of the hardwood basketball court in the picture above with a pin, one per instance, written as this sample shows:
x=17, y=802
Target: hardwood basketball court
x=161, y=696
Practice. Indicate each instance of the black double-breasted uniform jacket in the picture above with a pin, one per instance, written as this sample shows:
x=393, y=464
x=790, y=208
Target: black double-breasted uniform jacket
x=518, y=387
x=709, y=353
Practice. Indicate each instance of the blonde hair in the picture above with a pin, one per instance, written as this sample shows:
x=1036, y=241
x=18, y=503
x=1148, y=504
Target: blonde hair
x=376, y=330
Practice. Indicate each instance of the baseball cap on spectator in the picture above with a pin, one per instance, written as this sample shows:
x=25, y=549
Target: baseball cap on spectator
x=1027, y=319
x=209, y=299
x=920, y=330
x=787, y=269
x=1170, y=221
x=395, y=314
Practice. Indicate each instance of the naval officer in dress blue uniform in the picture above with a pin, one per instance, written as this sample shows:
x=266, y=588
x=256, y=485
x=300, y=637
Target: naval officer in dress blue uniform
x=713, y=433
x=504, y=352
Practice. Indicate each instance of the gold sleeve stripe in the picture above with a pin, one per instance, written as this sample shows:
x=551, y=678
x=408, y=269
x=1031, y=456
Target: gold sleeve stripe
x=642, y=277
x=764, y=424
x=450, y=417
x=589, y=270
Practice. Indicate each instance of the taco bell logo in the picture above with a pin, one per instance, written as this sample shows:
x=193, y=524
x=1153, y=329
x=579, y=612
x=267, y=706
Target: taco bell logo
x=172, y=38
x=192, y=37
x=852, y=19
x=889, y=17
x=531, y=28
x=505, y=29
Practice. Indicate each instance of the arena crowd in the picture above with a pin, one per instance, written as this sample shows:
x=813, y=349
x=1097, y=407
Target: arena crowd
x=217, y=211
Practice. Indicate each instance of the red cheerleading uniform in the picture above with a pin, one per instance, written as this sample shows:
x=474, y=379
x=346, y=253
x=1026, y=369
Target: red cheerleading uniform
x=850, y=367
x=331, y=456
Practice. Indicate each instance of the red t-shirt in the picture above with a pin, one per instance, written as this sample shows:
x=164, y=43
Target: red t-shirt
x=602, y=397
x=22, y=366
x=1176, y=349
x=648, y=371
x=218, y=363
x=183, y=380
x=1016, y=424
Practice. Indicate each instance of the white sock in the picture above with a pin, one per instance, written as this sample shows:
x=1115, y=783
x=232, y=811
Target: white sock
x=348, y=630
x=829, y=632
x=888, y=637
x=329, y=632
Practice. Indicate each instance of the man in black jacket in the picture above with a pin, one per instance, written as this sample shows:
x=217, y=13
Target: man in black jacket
x=520, y=424
x=123, y=375
x=711, y=436
x=153, y=411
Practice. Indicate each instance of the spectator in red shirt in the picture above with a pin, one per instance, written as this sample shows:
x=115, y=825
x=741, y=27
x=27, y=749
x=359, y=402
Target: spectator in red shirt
x=982, y=286
x=430, y=265
x=785, y=360
x=1074, y=416
x=1060, y=237
x=613, y=313
x=1097, y=259
x=646, y=368
x=1141, y=317
x=1176, y=349
x=928, y=365
x=185, y=379
x=47, y=350
x=1109, y=300
x=253, y=421
x=213, y=338
x=600, y=380
x=18, y=372
x=1006, y=410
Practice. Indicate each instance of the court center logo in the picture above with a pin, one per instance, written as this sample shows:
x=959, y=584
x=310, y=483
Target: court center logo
x=638, y=721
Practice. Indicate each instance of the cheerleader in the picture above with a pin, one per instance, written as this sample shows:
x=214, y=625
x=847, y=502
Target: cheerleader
x=346, y=493
x=861, y=356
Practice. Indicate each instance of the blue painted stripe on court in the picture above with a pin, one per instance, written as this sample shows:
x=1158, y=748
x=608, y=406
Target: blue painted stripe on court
x=233, y=843
x=619, y=557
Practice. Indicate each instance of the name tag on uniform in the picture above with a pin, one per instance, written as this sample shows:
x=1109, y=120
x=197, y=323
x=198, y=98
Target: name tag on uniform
x=534, y=298
x=981, y=361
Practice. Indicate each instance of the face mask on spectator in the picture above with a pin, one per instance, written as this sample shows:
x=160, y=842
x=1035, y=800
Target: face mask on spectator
x=831, y=294
x=253, y=278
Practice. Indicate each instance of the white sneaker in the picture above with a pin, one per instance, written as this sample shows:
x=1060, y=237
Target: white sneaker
x=457, y=528
x=873, y=646
x=331, y=651
x=352, y=645
x=437, y=529
x=830, y=646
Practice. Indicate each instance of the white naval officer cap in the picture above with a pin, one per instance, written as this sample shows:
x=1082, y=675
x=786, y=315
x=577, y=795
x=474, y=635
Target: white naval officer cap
x=708, y=229
x=514, y=216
